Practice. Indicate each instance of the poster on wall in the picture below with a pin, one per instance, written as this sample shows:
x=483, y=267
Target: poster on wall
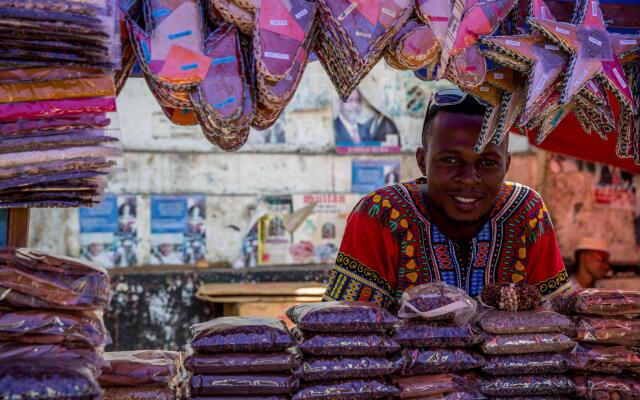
x=317, y=239
x=109, y=233
x=275, y=241
x=178, y=230
x=369, y=175
x=361, y=129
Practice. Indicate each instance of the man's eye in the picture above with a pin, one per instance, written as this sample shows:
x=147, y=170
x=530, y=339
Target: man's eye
x=450, y=160
x=488, y=163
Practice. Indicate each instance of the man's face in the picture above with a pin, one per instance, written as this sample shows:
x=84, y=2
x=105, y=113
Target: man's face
x=462, y=184
x=166, y=249
x=95, y=248
x=351, y=108
x=596, y=263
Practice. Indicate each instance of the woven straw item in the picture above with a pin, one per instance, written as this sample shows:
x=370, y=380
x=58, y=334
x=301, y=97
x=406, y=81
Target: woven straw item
x=234, y=14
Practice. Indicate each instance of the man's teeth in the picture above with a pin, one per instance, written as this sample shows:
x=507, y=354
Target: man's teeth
x=464, y=199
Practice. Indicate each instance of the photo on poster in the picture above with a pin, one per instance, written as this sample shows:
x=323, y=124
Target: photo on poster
x=275, y=241
x=318, y=238
x=370, y=175
x=361, y=129
x=109, y=233
x=178, y=230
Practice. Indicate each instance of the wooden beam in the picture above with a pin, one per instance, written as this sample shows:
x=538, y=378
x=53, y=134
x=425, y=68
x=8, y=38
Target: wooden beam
x=18, y=227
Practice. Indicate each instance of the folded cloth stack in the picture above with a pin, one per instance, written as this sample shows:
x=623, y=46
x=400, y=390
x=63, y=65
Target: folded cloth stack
x=347, y=353
x=526, y=353
x=57, y=91
x=437, y=339
x=245, y=358
x=51, y=330
x=141, y=375
x=606, y=363
x=352, y=37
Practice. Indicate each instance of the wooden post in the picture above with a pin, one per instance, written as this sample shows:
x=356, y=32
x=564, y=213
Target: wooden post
x=18, y=227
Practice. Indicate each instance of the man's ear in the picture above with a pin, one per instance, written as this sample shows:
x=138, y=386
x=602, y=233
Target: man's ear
x=421, y=158
x=508, y=162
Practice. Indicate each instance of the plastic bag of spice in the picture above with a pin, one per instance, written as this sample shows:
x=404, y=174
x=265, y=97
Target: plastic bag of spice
x=437, y=301
x=238, y=363
x=251, y=384
x=139, y=393
x=527, y=343
x=141, y=367
x=509, y=322
x=591, y=358
x=341, y=317
x=522, y=364
x=600, y=387
x=342, y=368
x=44, y=353
x=434, y=385
x=329, y=344
x=50, y=381
x=241, y=334
x=433, y=361
x=527, y=385
x=231, y=397
x=609, y=331
x=608, y=302
x=436, y=334
x=347, y=390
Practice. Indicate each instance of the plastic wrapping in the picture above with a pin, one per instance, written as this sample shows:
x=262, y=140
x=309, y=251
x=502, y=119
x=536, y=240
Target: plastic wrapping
x=609, y=331
x=588, y=358
x=231, y=397
x=341, y=317
x=436, y=302
x=43, y=354
x=506, y=322
x=342, y=368
x=434, y=385
x=347, y=390
x=346, y=344
x=51, y=327
x=528, y=343
x=141, y=367
x=434, y=334
x=433, y=361
x=252, y=384
x=607, y=387
x=522, y=364
x=608, y=302
x=527, y=385
x=143, y=393
x=51, y=381
x=235, y=363
x=241, y=334
x=465, y=395
x=511, y=297
x=37, y=279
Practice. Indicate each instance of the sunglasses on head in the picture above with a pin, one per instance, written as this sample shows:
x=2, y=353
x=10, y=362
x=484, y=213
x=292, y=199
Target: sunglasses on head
x=447, y=97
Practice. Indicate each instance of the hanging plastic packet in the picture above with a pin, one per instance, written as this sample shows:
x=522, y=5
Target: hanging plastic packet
x=437, y=302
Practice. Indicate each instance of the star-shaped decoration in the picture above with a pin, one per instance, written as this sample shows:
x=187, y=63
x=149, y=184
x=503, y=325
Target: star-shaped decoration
x=512, y=96
x=491, y=98
x=594, y=52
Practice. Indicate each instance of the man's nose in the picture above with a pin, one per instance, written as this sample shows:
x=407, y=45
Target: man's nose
x=468, y=175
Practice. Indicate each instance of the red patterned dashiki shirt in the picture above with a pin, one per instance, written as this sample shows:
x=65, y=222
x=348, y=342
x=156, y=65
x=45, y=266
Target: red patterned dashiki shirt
x=390, y=245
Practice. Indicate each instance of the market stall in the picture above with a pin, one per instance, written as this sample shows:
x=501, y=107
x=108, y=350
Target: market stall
x=571, y=84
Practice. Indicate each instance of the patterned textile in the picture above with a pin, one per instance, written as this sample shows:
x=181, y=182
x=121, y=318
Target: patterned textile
x=390, y=245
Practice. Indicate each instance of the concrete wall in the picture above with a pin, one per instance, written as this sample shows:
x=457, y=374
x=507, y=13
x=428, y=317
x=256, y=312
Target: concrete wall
x=162, y=158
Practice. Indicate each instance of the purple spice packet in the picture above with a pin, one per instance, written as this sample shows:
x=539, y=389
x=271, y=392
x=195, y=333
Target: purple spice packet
x=250, y=384
x=327, y=344
x=241, y=335
x=435, y=361
x=51, y=381
x=436, y=334
x=341, y=317
x=347, y=390
x=324, y=369
x=238, y=363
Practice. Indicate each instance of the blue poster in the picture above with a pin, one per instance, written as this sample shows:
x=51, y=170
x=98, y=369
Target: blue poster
x=108, y=232
x=178, y=230
x=369, y=175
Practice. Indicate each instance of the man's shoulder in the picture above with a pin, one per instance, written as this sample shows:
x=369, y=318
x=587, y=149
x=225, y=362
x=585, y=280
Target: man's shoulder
x=518, y=190
x=387, y=197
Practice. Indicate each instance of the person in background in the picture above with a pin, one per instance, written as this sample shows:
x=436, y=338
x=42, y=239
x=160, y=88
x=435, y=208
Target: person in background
x=592, y=263
x=358, y=122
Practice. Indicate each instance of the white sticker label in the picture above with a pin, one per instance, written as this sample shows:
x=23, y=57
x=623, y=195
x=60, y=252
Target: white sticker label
x=595, y=41
x=562, y=30
x=551, y=47
x=541, y=83
x=498, y=76
x=289, y=78
x=388, y=12
x=279, y=56
x=594, y=8
x=619, y=78
x=484, y=89
x=347, y=11
x=513, y=42
x=301, y=14
x=543, y=12
x=279, y=22
x=363, y=34
x=628, y=42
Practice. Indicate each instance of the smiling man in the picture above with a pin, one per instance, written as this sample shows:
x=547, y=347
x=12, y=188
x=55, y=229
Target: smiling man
x=462, y=223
